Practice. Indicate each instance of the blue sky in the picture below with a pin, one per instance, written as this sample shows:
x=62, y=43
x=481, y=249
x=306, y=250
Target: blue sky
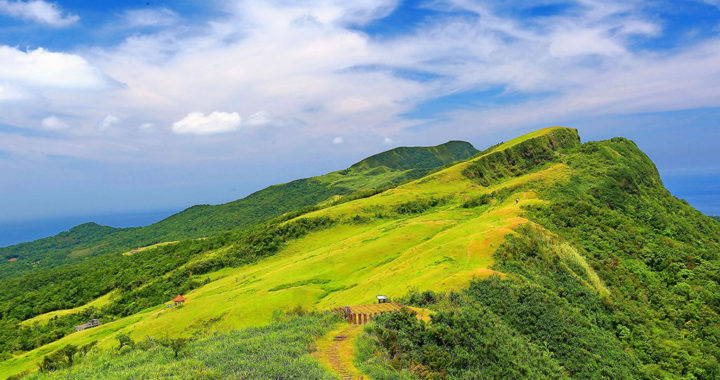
x=120, y=106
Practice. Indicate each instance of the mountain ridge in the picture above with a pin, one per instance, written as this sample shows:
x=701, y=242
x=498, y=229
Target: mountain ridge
x=404, y=158
x=201, y=220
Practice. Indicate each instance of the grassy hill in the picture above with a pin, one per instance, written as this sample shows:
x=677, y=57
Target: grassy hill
x=541, y=258
x=377, y=172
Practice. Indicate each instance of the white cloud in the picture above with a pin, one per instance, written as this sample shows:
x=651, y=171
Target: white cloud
x=147, y=126
x=387, y=141
x=40, y=68
x=39, y=11
x=53, y=123
x=260, y=118
x=337, y=140
x=584, y=42
x=197, y=123
x=108, y=121
x=150, y=17
x=12, y=93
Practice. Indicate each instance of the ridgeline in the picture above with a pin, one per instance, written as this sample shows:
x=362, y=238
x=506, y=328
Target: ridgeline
x=373, y=174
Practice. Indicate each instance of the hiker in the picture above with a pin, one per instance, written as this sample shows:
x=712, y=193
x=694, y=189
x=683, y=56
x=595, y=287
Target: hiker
x=517, y=200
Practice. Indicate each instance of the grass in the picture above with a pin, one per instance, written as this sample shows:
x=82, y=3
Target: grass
x=131, y=252
x=91, y=240
x=280, y=350
x=44, y=318
x=443, y=248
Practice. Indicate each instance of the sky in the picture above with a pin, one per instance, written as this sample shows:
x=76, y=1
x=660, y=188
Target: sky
x=123, y=106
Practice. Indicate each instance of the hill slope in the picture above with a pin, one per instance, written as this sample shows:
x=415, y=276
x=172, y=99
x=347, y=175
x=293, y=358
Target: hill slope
x=542, y=257
x=377, y=172
x=398, y=211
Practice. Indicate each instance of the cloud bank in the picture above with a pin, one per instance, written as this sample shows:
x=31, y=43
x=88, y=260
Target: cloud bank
x=317, y=70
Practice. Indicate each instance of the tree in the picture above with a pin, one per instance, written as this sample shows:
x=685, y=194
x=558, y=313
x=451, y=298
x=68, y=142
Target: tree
x=86, y=348
x=69, y=352
x=51, y=362
x=175, y=344
x=124, y=340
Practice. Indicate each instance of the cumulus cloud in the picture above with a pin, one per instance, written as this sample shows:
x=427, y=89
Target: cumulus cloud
x=337, y=140
x=197, y=123
x=38, y=11
x=41, y=68
x=387, y=141
x=53, y=123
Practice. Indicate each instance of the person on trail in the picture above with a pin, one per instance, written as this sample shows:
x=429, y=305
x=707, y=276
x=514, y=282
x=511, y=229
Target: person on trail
x=517, y=200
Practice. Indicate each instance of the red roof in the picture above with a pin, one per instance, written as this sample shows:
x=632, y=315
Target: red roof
x=179, y=298
x=13, y=259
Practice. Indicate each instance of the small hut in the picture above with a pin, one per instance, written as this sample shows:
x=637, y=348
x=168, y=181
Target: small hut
x=91, y=323
x=179, y=300
x=382, y=299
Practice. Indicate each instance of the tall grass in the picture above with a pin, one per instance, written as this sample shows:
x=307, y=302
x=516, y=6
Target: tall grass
x=279, y=350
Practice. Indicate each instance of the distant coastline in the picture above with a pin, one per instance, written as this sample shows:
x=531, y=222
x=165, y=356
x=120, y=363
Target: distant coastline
x=14, y=232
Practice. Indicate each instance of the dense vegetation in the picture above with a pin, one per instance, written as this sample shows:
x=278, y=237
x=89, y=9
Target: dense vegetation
x=618, y=280
x=467, y=341
x=659, y=258
x=386, y=169
x=522, y=157
x=280, y=350
x=144, y=279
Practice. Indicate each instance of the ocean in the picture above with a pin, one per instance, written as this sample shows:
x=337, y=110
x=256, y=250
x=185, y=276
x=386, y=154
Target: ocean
x=27, y=230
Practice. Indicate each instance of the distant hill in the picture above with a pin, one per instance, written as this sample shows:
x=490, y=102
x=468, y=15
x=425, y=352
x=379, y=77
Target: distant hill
x=389, y=168
x=716, y=218
x=405, y=158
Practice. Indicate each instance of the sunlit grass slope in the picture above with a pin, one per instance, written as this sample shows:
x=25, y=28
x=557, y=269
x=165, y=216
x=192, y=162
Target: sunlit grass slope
x=376, y=249
x=43, y=318
x=389, y=168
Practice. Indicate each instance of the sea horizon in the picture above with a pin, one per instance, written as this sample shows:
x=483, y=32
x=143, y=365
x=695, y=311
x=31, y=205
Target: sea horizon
x=22, y=231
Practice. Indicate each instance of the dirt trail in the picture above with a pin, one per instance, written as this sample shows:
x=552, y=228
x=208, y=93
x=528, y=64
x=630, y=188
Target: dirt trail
x=335, y=350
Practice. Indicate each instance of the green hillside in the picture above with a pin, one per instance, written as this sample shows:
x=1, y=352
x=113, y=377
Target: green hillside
x=539, y=258
x=377, y=172
x=406, y=158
